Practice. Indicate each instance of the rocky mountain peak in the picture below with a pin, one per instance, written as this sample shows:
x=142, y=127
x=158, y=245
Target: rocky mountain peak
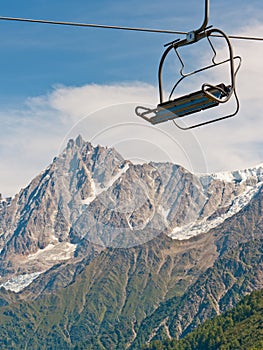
x=92, y=195
x=78, y=143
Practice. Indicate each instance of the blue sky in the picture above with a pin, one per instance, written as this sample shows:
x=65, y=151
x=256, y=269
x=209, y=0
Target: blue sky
x=52, y=77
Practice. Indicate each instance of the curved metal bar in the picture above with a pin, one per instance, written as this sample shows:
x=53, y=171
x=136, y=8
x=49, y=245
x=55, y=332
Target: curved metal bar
x=182, y=63
x=232, y=70
x=203, y=69
x=213, y=120
x=143, y=112
x=213, y=49
x=160, y=70
x=206, y=18
x=175, y=86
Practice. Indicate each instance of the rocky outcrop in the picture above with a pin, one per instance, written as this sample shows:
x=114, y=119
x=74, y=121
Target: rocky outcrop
x=91, y=194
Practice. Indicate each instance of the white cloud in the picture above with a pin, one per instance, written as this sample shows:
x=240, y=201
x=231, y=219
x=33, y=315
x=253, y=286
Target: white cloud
x=76, y=102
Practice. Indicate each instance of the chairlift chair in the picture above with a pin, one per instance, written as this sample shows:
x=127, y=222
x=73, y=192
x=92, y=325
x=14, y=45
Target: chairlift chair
x=208, y=96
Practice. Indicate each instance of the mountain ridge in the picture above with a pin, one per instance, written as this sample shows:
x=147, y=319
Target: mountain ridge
x=94, y=186
x=94, y=293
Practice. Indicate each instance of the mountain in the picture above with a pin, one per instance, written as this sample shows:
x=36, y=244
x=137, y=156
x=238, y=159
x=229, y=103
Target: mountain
x=90, y=198
x=239, y=328
x=236, y=271
x=106, y=254
x=126, y=297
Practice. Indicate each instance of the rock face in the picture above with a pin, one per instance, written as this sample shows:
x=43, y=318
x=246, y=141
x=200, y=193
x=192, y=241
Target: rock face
x=236, y=270
x=139, y=251
x=91, y=194
x=123, y=298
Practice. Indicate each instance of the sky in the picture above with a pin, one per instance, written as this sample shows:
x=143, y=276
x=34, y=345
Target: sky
x=58, y=82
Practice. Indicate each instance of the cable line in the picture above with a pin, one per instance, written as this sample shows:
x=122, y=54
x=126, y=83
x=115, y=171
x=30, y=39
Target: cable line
x=76, y=24
x=103, y=26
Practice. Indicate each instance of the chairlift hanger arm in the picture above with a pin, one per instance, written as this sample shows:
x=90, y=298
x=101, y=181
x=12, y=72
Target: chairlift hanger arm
x=209, y=96
x=176, y=44
x=193, y=36
x=206, y=18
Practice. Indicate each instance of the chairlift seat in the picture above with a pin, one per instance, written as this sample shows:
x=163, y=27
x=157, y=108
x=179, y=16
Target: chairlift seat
x=188, y=104
x=209, y=96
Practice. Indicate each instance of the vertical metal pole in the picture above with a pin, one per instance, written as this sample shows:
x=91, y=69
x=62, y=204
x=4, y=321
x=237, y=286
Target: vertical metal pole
x=206, y=17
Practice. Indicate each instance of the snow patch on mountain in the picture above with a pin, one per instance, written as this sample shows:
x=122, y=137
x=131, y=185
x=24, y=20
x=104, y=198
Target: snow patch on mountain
x=97, y=189
x=208, y=223
x=234, y=176
x=164, y=213
x=54, y=252
x=18, y=283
